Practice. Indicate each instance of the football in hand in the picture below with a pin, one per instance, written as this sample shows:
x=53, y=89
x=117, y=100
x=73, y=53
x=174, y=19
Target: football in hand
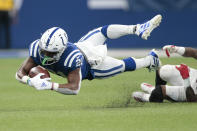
x=38, y=69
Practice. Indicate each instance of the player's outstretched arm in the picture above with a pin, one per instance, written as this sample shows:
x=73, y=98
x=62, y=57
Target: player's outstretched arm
x=70, y=88
x=73, y=85
x=22, y=73
x=190, y=52
x=184, y=51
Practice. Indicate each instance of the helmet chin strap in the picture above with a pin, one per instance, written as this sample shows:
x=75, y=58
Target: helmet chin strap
x=45, y=59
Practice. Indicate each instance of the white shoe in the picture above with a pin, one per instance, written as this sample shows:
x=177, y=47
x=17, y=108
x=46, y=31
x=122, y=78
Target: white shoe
x=141, y=96
x=155, y=63
x=147, y=87
x=144, y=30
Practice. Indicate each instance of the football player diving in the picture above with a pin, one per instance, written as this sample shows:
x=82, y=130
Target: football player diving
x=85, y=59
x=182, y=80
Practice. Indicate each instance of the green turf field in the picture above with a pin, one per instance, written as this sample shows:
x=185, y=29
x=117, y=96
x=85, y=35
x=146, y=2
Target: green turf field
x=101, y=105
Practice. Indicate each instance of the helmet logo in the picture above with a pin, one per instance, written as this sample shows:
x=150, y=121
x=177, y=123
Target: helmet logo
x=48, y=41
x=62, y=40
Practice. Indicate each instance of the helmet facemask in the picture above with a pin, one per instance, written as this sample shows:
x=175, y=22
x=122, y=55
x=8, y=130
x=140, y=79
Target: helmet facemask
x=49, y=59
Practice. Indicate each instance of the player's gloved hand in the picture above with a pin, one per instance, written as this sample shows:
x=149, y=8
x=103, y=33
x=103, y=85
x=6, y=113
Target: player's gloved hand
x=38, y=83
x=173, y=49
x=184, y=71
x=170, y=49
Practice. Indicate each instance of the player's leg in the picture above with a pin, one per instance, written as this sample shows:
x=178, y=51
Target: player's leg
x=111, y=66
x=175, y=93
x=158, y=81
x=170, y=74
x=142, y=30
x=151, y=61
x=167, y=73
x=99, y=35
x=171, y=93
x=93, y=38
x=156, y=94
x=161, y=92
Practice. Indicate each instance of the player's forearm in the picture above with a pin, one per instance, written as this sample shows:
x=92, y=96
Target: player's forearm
x=22, y=76
x=190, y=52
x=67, y=89
x=22, y=73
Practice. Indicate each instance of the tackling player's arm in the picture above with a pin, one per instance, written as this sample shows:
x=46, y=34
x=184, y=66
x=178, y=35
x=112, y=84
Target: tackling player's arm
x=73, y=85
x=22, y=73
x=190, y=52
x=191, y=97
x=184, y=51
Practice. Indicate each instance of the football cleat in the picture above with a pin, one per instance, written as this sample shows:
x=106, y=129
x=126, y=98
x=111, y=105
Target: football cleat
x=155, y=63
x=147, y=87
x=141, y=96
x=144, y=30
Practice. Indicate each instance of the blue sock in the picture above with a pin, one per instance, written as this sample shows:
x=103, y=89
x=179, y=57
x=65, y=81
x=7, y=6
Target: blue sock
x=104, y=30
x=130, y=64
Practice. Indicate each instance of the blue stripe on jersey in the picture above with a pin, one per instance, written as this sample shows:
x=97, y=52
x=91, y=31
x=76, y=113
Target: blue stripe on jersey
x=73, y=58
x=51, y=36
x=68, y=56
x=106, y=71
x=108, y=75
x=33, y=49
x=91, y=34
x=104, y=30
x=31, y=52
x=67, y=63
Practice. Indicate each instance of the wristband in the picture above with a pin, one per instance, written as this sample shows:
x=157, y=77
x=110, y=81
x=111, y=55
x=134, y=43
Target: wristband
x=28, y=82
x=55, y=86
x=25, y=79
